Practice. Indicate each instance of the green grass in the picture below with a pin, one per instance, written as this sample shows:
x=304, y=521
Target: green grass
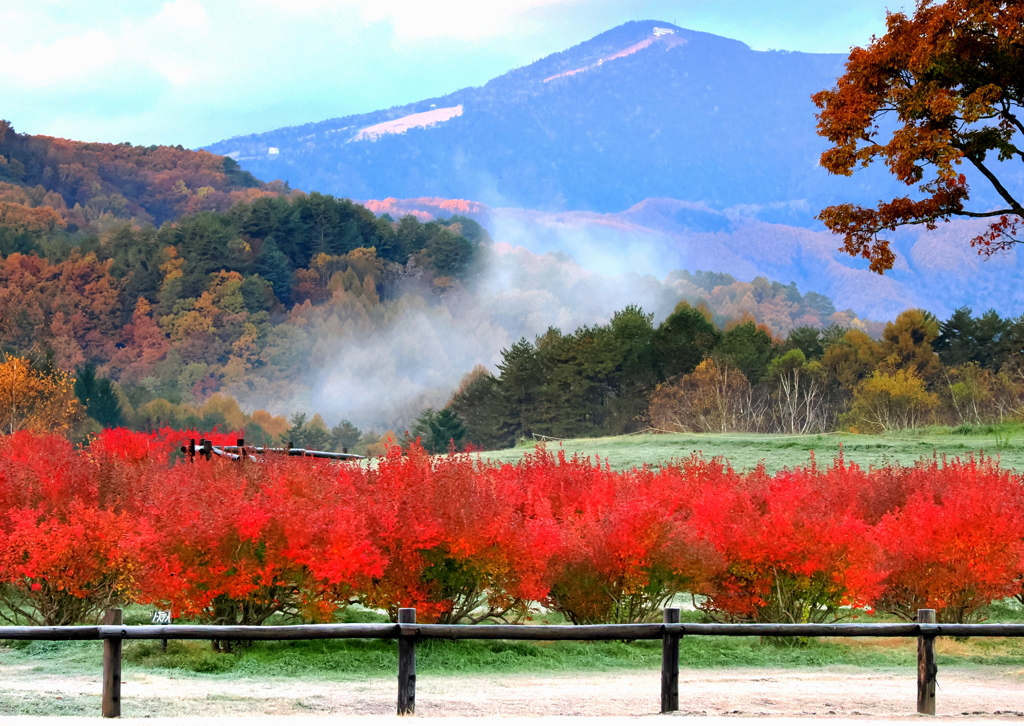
x=779, y=451
x=355, y=659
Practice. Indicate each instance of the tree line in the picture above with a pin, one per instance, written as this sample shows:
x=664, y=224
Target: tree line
x=689, y=374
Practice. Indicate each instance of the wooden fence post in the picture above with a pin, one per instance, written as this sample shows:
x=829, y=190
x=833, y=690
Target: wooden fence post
x=926, y=668
x=670, y=664
x=112, y=667
x=406, y=666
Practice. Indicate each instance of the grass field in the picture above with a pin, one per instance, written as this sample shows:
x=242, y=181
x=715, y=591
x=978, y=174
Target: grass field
x=354, y=659
x=746, y=451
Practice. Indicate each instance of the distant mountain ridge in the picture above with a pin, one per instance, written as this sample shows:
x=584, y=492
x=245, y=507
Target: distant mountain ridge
x=935, y=270
x=644, y=110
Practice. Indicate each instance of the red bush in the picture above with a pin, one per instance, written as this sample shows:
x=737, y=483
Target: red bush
x=238, y=542
x=793, y=546
x=130, y=518
x=462, y=539
x=62, y=556
x=628, y=543
x=956, y=544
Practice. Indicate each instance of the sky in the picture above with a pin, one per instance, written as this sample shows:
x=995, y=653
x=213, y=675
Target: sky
x=193, y=72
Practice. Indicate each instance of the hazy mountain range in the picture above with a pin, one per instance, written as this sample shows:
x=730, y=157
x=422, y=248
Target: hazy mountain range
x=934, y=270
x=648, y=148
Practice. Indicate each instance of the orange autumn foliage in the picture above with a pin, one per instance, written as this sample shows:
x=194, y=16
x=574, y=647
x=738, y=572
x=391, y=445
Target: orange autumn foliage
x=34, y=400
x=950, y=75
x=20, y=218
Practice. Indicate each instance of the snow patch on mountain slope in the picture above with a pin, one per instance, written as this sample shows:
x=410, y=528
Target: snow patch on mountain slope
x=401, y=125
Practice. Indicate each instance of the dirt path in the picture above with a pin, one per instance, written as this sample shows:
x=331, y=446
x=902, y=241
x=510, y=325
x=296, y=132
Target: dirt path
x=835, y=693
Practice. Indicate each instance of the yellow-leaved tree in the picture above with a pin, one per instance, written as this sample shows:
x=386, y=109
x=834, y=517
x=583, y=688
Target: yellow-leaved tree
x=35, y=400
x=887, y=401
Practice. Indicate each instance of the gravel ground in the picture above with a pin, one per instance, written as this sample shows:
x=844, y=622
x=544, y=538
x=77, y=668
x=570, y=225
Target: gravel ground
x=707, y=696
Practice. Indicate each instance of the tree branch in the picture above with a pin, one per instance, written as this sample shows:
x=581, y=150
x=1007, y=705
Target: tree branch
x=1015, y=206
x=1012, y=118
x=997, y=213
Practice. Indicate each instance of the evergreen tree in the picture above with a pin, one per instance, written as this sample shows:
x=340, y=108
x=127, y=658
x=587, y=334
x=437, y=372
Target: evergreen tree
x=273, y=266
x=478, y=403
x=807, y=340
x=439, y=430
x=749, y=348
x=635, y=375
x=447, y=429
x=350, y=239
x=575, y=370
x=346, y=435
x=956, y=342
x=98, y=398
x=449, y=254
x=316, y=436
x=965, y=339
x=682, y=341
x=12, y=241
x=520, y=388
x=203, y=241
x=296, y=431
x=256, y=435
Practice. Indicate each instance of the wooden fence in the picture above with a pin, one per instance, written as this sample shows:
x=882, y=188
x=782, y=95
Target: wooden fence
x=408, y=632
x=240, y=451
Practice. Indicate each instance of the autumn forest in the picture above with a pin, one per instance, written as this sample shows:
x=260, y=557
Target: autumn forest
x=154, y=286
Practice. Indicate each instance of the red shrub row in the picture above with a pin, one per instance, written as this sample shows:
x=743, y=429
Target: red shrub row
x=128, y=519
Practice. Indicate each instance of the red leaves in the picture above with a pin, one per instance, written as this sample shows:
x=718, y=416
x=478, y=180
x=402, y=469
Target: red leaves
x=955, y=545
x=794, y=547
x=462, y=540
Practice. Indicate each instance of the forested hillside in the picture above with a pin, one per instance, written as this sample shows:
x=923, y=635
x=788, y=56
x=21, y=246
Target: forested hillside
x=76, y=185
x=307, y=318
x=223, y=295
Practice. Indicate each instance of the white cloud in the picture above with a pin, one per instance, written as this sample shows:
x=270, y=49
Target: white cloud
x=186, y=15
x=413, y=19
x=71, y=59
x=171, y=42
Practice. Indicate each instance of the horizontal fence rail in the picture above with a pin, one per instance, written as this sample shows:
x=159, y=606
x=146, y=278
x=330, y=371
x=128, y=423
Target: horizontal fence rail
x=408, y=632
x=240, y=452
x=424, y=631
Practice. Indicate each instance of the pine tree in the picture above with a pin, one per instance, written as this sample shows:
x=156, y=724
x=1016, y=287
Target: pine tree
x=346, y=435
x=520, y=388
x=295, y=433
x=98, y=398
x=273, y=266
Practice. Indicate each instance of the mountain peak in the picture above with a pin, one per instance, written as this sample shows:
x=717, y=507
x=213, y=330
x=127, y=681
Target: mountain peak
x=647, y=109
x=619, y=42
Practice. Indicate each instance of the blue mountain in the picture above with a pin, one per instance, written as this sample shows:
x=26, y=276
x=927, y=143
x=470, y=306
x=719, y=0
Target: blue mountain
x=645, y=110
